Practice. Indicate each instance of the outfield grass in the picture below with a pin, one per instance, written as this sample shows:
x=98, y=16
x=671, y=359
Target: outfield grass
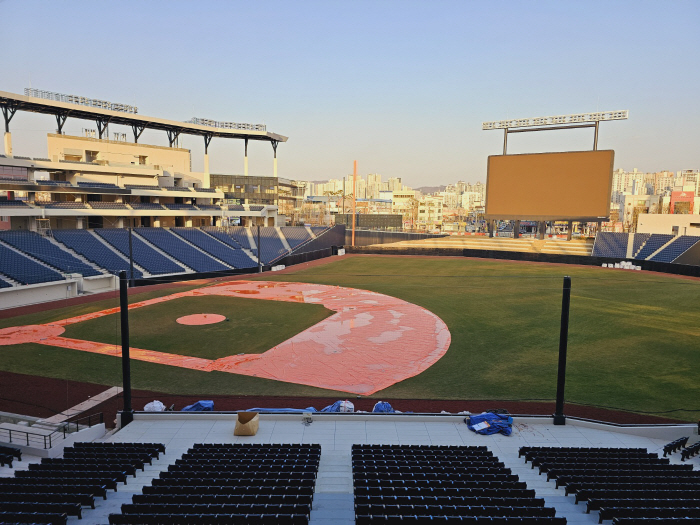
x=634, y=339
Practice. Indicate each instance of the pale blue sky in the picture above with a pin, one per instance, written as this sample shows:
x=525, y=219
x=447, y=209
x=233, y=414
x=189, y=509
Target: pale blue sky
x=401, y=86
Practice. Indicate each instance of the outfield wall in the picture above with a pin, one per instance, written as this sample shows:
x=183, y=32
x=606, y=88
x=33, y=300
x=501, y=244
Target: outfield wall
x=368, y=237
x=585, y=260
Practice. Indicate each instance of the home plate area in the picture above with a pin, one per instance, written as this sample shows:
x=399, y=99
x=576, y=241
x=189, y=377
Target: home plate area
x=371, y=342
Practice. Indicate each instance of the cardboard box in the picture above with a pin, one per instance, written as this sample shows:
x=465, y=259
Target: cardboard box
x=247, y=424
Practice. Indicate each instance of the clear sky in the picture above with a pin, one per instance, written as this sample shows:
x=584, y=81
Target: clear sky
x=400, y=86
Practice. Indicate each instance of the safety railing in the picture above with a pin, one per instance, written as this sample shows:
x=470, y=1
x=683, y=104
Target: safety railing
x=47, y=440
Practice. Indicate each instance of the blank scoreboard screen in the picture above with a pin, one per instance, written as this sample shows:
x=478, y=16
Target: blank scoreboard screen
x=575, y=185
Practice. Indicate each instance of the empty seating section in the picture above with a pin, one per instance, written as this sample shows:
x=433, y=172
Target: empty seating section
x=23, y=269
x=12, y=204
x=236, y=236
x=208, y=249
x=271, y=247
x=654, y=242
x=146, y=206
x=621, y=482
x=209, y=207
x=70, y=205
x=318, y=230
x=97, y=185
x=107, y=205
x=639, y=240
x=144, y=255
x=141, y=187
x=256, y=208
x=224, y=252
x=180, y=250
x=50, y=491
x=676, y=248
x=230, y=483
x=236, y=207
x=84, y=243
x=418, y=484
x=295, y=236
x=610, y=244
x=54, y=182
x=177, y=206
x=675, y=445
x=206, y=190
x=41, y=248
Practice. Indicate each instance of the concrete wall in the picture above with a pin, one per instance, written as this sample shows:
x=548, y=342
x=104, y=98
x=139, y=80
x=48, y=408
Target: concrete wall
x=37, y=293
x=652, y=223
x=116, y=152
x=99, y=284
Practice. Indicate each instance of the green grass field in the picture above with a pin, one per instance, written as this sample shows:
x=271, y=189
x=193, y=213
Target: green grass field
x=634, y=339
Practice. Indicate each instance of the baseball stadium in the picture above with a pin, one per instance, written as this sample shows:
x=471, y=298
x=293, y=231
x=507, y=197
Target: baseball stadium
x=170, y=357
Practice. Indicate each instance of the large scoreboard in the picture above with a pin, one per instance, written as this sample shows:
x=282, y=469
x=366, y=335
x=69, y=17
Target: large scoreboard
x=574, y=185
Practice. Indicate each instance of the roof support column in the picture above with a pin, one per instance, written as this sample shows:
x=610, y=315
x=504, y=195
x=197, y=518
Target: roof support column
x=173, y=134
x=207, y=141
x=8, y=111
x=137, y=130
x=61, y=121
x=103, y=126
x=245, y=159
x=274, y=149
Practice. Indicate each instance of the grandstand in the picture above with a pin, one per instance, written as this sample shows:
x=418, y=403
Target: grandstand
x=156, y=251
x=342, y=469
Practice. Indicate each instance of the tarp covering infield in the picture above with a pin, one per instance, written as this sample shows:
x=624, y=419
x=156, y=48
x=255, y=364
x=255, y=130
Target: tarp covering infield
x=371, y=342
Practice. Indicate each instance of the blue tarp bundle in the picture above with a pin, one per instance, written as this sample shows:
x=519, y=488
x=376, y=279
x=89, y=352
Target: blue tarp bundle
x=200, y=406
x=282, y=410
x=488, y=423
x=382, y=406
x=338, y=407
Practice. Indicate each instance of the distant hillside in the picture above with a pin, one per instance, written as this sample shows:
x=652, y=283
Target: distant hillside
x=430, y=189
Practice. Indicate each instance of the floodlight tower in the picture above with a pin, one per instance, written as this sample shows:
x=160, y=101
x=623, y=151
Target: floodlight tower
x=558, y=122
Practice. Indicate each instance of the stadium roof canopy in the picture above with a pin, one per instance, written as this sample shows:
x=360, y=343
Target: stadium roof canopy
x=11, y=102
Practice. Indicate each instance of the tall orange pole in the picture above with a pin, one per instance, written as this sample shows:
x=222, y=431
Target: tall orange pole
x=354, y=199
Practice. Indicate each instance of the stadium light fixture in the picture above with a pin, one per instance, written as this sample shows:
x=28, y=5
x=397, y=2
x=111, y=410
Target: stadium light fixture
x=557, y=120
x=578, y=120
x=226, y=125
x=82, y=101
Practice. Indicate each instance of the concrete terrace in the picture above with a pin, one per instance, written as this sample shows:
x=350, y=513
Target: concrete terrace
x=336, y=433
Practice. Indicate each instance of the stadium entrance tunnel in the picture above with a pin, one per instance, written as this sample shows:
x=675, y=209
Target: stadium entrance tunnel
x=371, y=342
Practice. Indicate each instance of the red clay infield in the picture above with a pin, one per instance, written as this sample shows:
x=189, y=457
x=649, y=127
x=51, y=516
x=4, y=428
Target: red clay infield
x=371, y=342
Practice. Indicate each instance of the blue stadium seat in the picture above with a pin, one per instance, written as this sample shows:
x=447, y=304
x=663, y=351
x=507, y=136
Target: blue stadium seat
x=654, y=242
x=180, y=250
x=23, y=269
x=271, y=247
x=234, y=236
x=639, y=240
x=40, y=248
x=610, y=244
x=224, y=252
x=318, y=230
x=295, y=235
x=676, y=248
x=84, y=243
x=144, y=255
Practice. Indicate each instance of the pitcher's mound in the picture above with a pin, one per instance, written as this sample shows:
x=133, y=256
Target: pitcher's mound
x=200, y=319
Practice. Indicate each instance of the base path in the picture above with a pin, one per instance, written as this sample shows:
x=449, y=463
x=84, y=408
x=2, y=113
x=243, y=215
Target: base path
x=371, y=342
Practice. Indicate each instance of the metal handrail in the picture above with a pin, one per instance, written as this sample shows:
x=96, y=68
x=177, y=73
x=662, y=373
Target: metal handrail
x=47, y=440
